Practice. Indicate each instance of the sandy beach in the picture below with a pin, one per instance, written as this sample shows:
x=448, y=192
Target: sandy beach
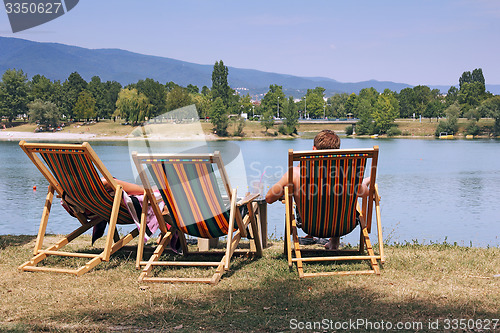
x=57, y=136
x=6, y=135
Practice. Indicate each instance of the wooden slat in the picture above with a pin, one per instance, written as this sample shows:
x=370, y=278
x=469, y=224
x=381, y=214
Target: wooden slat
x=177, y=280
x=308, y=275
x=49, y=269
x=69, y=254
x=340, y=258
x=183, y=263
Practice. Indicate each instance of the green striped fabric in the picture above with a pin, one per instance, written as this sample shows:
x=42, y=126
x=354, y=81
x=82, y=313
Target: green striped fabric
x=80, y=180
x=328, y=194
x=190, y=191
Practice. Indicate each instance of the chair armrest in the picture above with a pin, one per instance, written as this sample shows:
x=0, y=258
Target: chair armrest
x=249, y=197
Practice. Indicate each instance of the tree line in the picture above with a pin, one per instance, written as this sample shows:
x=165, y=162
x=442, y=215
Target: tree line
x=49, y=102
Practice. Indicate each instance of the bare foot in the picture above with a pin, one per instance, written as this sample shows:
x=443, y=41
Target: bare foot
x=333, y=243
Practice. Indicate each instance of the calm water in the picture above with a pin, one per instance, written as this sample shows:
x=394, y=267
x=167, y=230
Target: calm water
x=431, y=190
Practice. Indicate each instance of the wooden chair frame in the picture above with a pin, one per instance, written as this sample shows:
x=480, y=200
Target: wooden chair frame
x=113, y=241
x=233, y=237
x=365, y=217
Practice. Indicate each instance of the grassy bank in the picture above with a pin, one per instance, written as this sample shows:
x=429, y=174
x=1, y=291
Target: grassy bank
x=417, y=284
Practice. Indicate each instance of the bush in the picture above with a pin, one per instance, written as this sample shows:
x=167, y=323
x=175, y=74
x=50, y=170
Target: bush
x=282, y=129
x=472, y=128
x=393, y=131
x=348, y=130
x=448, y=126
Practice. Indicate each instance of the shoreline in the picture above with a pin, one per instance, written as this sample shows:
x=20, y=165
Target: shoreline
x=6, y=135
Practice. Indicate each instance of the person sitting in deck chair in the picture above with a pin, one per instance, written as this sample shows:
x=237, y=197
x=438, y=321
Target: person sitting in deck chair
x=326, y=139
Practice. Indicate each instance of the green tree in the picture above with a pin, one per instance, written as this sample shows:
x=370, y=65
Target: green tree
x=365, y=124
x=112, y=89
x=72, y=87
x=370, y=94
x=423, y=96
x=246, y=105
x=205, y=91
x=338, y=105
x=192, y=89
x=491, y=107
x=290, y=116
x=219, y=117
x=178, y=98
x=315, y=102
x=41, y=88
x=44, y=113
x=475, y=76
x=169, y=86
x=385, y=111
x=220, y=86
x=155, y=92
x=271, y=100
x=132, y=105
x=406, y=98
x=85, y=106
x=451, y=96
x=471, y=95
x=203, y=104
x=434, y=109
x=450, y=125
x=97, y=88
x=351, y=105
x=267, y=119
x=13, y=94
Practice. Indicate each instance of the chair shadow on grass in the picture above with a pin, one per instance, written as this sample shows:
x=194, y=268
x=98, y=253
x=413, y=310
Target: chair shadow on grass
x=127, y=254
x=15, y=240
x=257, y=295
x=271, y=307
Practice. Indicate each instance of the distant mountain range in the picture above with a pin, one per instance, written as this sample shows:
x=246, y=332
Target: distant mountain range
x=58, y=61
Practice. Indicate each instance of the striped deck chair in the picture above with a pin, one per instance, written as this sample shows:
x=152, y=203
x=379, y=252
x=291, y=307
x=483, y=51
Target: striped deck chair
x=72, y=171
x=189, y=188
x=328, y=206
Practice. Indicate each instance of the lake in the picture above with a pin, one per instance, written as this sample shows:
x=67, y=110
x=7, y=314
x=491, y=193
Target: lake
x=432, y=190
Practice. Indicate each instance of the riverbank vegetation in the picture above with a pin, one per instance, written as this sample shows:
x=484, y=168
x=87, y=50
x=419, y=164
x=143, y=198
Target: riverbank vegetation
x=48, y=104
x=418, y=284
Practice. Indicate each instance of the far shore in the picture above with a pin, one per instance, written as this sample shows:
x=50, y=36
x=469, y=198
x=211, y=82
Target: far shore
x=111, y=131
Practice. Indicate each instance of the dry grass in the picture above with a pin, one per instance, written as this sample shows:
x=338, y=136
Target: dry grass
x=418, y=283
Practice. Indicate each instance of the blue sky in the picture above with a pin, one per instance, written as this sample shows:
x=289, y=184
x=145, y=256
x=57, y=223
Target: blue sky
x=414, y=42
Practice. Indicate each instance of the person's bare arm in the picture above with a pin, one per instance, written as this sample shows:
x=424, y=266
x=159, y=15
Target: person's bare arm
x=131, y=189
x=277, y=190
x=363, y=189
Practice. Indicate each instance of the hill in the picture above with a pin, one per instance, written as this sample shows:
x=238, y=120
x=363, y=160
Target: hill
x=58, y=61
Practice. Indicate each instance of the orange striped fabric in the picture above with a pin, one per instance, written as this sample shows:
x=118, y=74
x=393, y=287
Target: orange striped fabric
x=79, y=179
x=328, y=194
x=190, y=191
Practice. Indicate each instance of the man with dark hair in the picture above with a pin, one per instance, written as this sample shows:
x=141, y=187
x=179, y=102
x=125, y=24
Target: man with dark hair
x=326, y=139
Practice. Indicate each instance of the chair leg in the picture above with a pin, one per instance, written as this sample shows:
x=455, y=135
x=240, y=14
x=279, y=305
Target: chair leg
x=288, y=223
x=45, y=218
x=231, y=229
x=296, y=245
x=379, y=225
x=112, y=223
x=142, y=233
x=156, y=255
x=255, y=229
x=369, y=249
